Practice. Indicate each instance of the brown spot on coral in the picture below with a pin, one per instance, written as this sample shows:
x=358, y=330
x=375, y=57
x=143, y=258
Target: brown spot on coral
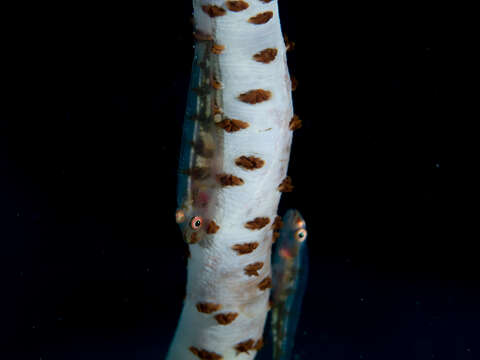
x=266, y=1
x=252, y=269
x=194, y=238
x=237, y=5
x=265, y=283
x=213, y=10
x=207, y=307
x=286, y=185
x=225, y=319
x=295, y=123
x=229, y=180
x=294, y=83
x=201, y=36
x=275, y=236
x=289, y=45
x=266, y=55
x=257, y=223
x=217, y=49
x=261, y=18
x=245, y=248
x=245, y=346
x=212, y=227
x=204, y=354
x=277, y=223
x=232, y=125
x=216, y=84
x=259, y=344
x=255, y=96
x=249, y=162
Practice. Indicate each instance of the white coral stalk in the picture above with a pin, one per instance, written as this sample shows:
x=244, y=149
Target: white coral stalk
x=239, y=127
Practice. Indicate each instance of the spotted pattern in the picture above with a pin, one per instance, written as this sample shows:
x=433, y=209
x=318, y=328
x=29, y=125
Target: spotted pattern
x=255, y=96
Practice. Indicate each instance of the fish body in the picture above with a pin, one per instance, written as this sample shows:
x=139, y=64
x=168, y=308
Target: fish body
x=200, y=153
x=290, y=272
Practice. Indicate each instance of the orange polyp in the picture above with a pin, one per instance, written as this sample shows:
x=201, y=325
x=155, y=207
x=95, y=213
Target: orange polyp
x=265, y=284
x=245, y=346
x=213, y=10
x=225, y=319
x=257, y=223
x=204, y=354
x=179, y=216
x=261, y=18
x=255, y=96
x=208, y=308
x=266, y=56
x=237, y=5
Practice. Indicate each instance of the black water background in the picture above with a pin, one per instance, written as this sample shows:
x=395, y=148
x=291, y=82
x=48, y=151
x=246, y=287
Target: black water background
x=92, y=264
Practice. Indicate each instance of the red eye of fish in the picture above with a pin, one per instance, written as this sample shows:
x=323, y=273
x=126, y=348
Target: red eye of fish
x=196, y=222
x=300, y=235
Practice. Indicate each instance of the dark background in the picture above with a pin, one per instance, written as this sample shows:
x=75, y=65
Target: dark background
x=92, y=262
